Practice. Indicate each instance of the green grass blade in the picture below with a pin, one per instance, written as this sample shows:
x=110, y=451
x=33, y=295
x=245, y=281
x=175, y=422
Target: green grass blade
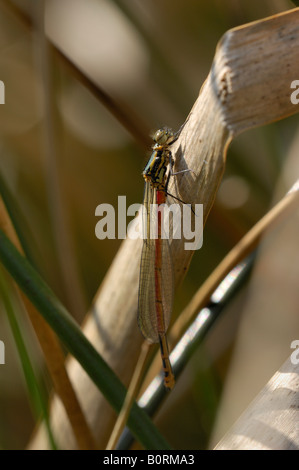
x=77, y=344
x=20, y=224
x=36, y=394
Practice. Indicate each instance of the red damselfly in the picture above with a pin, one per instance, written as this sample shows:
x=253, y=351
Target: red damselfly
x=156, y=283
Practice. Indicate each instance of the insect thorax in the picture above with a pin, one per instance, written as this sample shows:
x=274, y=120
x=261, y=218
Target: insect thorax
x=155, y=170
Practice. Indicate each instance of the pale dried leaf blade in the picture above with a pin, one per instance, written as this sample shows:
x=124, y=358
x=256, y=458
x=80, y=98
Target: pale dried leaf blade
x=271, y=420
x=253, y=70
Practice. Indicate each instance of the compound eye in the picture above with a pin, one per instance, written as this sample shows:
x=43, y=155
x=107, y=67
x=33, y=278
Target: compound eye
x=170, y=136
x=163, y=136
x=159, y=136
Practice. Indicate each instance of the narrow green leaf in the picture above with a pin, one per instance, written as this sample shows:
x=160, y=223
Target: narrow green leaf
x=77, y=344
x=37, y=398
x=20, y=224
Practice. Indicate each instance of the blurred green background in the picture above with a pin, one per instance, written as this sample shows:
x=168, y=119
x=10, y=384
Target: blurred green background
x=153, y=57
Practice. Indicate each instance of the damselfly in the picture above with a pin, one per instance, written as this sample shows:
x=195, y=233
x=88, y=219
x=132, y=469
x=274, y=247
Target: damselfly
x=156, y=273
